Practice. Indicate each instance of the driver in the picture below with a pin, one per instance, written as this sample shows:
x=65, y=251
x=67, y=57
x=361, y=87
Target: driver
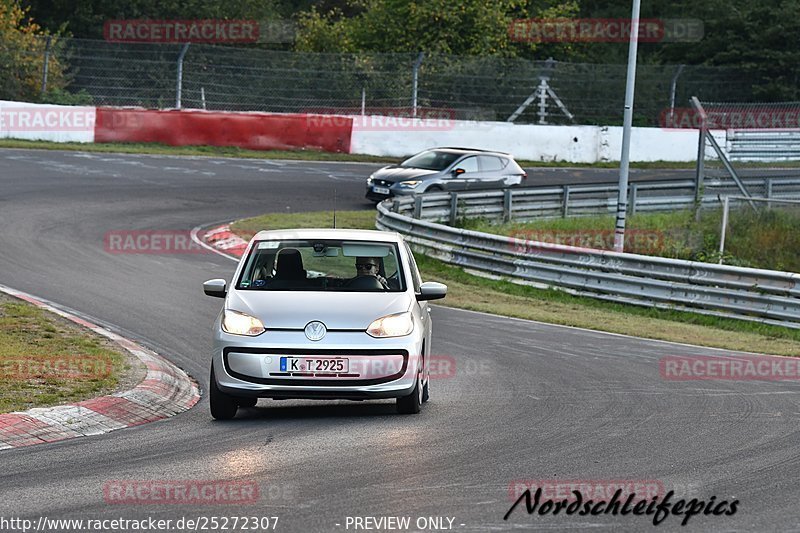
x=369, y=266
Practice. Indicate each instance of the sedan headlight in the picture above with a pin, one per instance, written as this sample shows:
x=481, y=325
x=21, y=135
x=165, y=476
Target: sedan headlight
x=237, y=323
x=369, y=180
x=409, y=184
x=392, y=326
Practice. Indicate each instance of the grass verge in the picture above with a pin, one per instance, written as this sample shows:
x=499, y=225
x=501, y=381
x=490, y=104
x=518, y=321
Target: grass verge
x=46, y=360
x=467, y=291
x=765, y=239
x=303, y=155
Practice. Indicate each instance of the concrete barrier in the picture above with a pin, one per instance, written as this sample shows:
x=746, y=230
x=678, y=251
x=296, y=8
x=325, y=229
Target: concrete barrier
x=392, y=136
x=574, y=144
x=255, y=131
x=46, y=122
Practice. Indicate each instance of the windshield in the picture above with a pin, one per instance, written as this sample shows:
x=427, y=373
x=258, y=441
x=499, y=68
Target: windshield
x=322, y=265
x=431, y=160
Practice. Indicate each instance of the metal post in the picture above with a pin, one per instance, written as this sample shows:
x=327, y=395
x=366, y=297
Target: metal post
x=725, y=207
x=672, y=89
x=46, y=65
x=622, y=200
x=415, y=87
x=507, y=205
x=698, y=177
x=203, y=97
x=543, y=101
x=363, y=101
x=453, y=208
x=565, y=204
x=634, y=195
x=179, y=81
x=769, y=192
x=417, y=207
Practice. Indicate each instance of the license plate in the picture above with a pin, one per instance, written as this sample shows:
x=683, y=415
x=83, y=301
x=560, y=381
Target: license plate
x=381, y=190
x=317, y=365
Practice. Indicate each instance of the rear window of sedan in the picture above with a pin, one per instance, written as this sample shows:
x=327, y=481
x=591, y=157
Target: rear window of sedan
x=323, y=265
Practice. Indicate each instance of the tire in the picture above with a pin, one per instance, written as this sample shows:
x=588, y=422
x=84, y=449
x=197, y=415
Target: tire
x=411, y=404
x=247, y=402
x=434, y=189
x=426, y=395
x=223, y=406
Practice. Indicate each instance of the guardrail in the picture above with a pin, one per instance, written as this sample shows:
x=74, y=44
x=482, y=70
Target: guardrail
x=746, y=293
x=577, y=200
x=768, y=145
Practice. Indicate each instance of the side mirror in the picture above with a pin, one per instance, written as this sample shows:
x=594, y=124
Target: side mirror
x=456, y=172
x=215, y=288
x=430, y=290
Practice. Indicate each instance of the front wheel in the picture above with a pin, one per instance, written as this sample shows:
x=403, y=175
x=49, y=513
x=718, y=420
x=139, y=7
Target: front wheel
x=223, y=406
x=411, y=404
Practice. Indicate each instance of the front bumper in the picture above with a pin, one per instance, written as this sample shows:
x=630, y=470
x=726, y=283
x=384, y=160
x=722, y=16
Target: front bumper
x=378, y=368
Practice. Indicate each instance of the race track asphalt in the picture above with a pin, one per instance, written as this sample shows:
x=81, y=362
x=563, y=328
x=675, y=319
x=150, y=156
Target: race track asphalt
x=527, y=401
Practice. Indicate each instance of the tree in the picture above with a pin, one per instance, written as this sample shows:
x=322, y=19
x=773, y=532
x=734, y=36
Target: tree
x=22, y=51
x=469, y=27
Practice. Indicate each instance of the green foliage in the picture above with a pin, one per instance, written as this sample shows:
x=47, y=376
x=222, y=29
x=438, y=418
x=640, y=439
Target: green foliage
x=62, y=97
x=22, y=46
x=472, y=27
x=85, y=19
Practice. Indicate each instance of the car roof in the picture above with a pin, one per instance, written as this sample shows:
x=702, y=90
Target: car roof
x=457, y=150
x=329, y=233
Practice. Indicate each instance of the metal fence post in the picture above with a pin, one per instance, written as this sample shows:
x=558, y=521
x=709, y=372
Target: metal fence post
x=415, y=87
x=507, y=205
x=725, y=208
x=565, y=204
x=634, y=197
x=768, y=187
x=701, y=157
x=179, y=81
x=46, y=65
x=453, y=208
x=672, y=90
x=417, y=207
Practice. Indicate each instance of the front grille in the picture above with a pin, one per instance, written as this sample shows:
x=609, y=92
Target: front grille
x=276, y=376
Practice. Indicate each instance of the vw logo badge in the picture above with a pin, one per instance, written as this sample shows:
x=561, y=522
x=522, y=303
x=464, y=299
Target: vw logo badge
x=315, y=331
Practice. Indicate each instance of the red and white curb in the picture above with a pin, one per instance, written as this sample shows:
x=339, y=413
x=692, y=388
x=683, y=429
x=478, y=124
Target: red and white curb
x=165, y=391
x=220, y=240
x=223, y=239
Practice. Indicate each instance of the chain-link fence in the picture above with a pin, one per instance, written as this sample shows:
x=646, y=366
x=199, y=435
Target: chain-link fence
x=485, y=88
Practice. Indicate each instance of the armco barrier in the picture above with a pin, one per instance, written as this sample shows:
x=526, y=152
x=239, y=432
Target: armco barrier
x=766, y=296
x=255, y=131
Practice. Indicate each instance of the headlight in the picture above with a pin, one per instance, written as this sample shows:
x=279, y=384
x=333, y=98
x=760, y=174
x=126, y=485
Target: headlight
x=409, y=184
x=237, y=323
x=392, y=326
x=369, y=180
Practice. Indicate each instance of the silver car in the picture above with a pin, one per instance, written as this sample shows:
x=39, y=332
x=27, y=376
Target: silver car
x=445, y=169
x=322, y=314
